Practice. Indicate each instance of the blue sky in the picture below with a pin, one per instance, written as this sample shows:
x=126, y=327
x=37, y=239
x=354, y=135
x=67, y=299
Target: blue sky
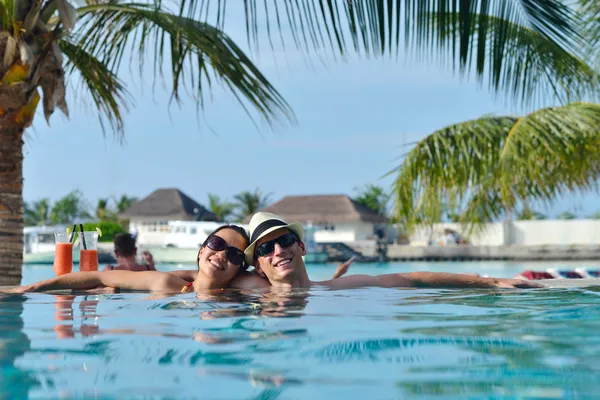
x=353, y=118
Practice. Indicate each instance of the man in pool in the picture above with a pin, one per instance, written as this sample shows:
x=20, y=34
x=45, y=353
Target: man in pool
x=126, y=252
x=276, y=251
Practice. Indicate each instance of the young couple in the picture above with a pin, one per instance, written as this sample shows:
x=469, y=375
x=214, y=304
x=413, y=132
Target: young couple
x=275, y=248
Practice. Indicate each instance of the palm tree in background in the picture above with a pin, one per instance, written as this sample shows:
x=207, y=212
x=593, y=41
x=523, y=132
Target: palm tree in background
x=103, y=212
x=124, y=202
x=527, y=214
x=525, y=47
x=374, y=198
x=70, y=208
x=247, y=203
x=221, y=208
x=566, y=215
x=38, y=213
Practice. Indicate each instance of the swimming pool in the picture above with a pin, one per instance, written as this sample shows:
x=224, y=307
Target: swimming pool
x=367, y=343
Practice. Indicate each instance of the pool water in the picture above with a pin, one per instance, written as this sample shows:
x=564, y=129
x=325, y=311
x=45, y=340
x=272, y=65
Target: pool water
x=367, y=343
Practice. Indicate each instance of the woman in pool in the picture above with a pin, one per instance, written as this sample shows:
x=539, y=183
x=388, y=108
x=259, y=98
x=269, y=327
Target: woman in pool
x=220, y=265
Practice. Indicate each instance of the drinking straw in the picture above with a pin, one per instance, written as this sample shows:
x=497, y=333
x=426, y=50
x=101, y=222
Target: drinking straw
x=72, y=233
x=82, y=237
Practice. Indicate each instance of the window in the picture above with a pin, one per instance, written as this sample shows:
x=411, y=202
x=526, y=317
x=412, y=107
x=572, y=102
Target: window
x=193, y=231
x=46, y=238
x=163, y=226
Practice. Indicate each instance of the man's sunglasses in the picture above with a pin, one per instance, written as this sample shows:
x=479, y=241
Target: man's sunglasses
x=268, y=247
x=233, y=254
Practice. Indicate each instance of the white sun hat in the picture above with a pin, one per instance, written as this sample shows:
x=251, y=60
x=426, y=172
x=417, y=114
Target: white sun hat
x=263, y=223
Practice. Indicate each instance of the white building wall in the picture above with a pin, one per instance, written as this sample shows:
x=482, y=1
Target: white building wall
x=556, y=232
x=491, y=235
x=523, y=233
x=149, y=233
x=345, y=232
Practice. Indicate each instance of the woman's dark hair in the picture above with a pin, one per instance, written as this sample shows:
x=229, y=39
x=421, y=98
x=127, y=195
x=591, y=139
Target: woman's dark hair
x=236, y=228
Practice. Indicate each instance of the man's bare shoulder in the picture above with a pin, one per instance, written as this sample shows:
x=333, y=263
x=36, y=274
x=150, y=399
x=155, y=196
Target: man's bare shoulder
x=249, y=280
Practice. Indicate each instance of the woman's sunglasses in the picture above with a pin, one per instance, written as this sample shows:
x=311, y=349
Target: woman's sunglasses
x=268, y=247
x=233, y=254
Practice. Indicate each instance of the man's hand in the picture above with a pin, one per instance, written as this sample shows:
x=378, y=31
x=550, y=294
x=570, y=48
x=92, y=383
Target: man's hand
x=343, y=268
x=147, y=257
x=515, y=283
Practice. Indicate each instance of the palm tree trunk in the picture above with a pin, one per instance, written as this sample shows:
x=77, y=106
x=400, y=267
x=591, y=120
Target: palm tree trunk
x=19, y=98
x=11, y=202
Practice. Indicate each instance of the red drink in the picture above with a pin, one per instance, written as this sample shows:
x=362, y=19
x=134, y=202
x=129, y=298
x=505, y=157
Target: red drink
x=63, y=258
x=88, y=260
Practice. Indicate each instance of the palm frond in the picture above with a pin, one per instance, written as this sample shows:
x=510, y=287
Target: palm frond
x=524, y=47
x=590, y=14
x=485, y=167
x=107, y=91
x=551, y=152
x=446, y=166
x=508, y=54
x=198, y=52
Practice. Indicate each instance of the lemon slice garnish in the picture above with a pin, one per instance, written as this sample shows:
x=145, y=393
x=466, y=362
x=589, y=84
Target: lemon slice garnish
x=99, y=231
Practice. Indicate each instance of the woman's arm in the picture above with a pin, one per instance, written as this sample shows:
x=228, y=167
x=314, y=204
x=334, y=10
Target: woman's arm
x=185, y=274
x=128, y=280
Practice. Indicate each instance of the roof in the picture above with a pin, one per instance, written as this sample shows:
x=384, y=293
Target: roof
x=320, y=209
x=170, y=204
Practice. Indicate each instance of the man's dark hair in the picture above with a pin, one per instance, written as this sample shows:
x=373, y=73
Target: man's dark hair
x=124, y=244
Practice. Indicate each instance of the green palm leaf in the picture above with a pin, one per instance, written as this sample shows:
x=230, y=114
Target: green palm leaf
x=106, y=90
x=198, y=52
x=482, y=168
x=525, y=47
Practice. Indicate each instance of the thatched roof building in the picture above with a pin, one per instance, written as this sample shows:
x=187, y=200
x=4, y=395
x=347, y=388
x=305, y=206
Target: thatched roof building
x=168, y=204
x=323, y=209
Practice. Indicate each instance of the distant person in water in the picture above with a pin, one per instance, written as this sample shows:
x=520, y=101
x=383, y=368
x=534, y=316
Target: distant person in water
x=276, y=251
x=126, y=253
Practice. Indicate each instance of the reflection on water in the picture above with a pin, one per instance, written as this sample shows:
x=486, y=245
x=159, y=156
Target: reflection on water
x=15, y=382
x=367, y=343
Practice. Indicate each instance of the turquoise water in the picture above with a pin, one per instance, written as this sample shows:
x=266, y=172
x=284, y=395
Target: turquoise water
x=367, y=343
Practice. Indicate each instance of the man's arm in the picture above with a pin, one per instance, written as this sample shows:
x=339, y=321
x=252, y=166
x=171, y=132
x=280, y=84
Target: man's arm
x=426, y=279
x=128, y=280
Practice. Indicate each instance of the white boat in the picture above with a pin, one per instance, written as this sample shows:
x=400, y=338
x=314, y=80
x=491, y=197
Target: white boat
x=39, y=244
